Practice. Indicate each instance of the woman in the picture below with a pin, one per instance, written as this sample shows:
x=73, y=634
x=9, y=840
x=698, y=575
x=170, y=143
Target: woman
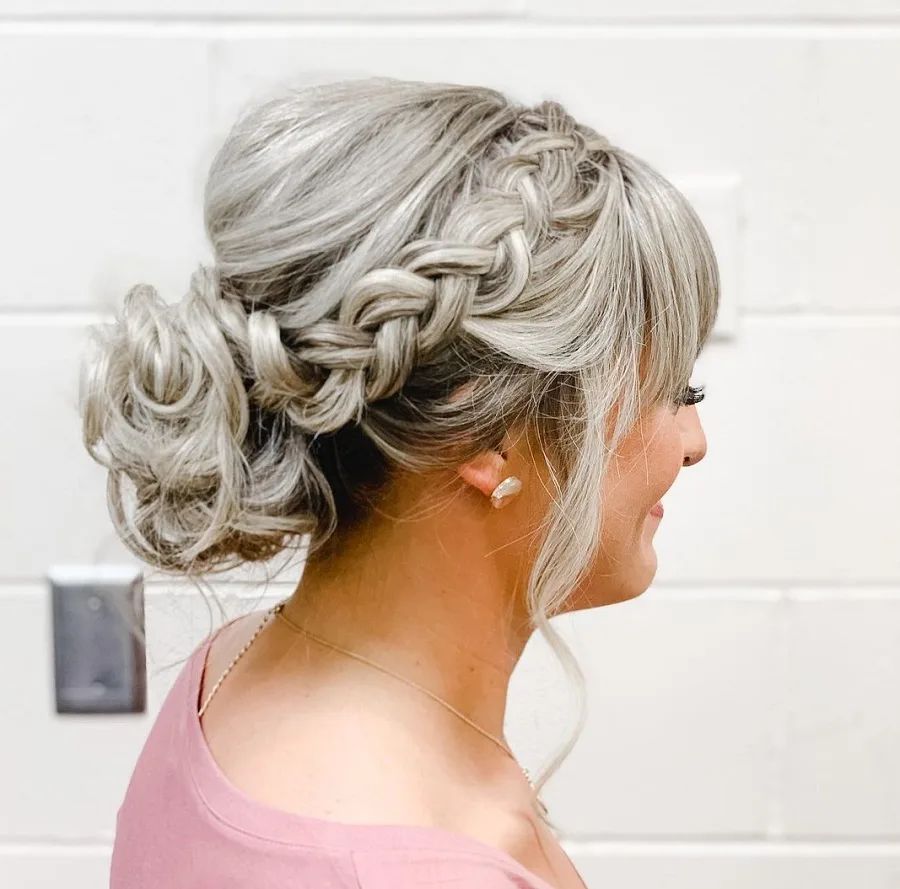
x=427, y=302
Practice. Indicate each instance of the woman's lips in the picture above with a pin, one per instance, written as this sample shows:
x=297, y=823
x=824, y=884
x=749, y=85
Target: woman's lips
x=657, y=510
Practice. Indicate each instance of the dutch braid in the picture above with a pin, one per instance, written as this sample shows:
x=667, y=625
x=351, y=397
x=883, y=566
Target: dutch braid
x=325, y=374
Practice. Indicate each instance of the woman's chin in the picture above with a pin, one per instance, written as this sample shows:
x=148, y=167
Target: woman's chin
x=623, y=587
x=645, y=573
x=638, y=580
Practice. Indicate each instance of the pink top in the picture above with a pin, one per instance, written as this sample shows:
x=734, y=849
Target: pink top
x=183, y=825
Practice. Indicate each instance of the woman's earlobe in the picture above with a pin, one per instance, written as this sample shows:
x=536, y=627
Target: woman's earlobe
x=487, y=473
x=484, y=472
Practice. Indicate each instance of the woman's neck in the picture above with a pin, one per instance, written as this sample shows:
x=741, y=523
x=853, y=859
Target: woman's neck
x=427, y=601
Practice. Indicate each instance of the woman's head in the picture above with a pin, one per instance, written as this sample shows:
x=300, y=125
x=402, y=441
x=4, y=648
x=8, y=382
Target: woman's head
x=410, y=280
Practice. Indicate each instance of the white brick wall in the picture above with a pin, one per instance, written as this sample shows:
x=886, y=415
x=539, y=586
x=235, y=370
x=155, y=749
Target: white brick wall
x=744, y=725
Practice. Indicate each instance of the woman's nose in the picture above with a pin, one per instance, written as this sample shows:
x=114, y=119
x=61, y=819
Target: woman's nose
x=692, y=436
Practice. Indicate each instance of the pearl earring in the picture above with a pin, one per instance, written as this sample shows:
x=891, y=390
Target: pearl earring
x=505, y=491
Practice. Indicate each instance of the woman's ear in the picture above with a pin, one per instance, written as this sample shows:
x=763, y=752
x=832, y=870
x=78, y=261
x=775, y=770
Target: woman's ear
x=484, y=472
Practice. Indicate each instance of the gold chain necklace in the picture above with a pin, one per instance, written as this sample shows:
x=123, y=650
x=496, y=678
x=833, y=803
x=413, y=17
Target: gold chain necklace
x=277, y=611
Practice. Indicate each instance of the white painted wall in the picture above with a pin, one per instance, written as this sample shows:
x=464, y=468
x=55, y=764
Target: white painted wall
x=744, y=726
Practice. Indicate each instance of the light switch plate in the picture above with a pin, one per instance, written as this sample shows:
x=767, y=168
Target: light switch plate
x=717, y=201
x=98, y=639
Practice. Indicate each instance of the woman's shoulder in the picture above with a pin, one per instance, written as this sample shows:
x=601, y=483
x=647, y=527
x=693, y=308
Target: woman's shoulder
x=223, y=646
x=325, y=763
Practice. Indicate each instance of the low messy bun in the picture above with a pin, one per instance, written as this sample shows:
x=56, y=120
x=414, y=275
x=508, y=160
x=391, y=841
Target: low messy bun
x=200, y=477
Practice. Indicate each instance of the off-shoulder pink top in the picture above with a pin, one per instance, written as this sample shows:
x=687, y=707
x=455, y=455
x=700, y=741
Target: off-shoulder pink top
x=183, y=825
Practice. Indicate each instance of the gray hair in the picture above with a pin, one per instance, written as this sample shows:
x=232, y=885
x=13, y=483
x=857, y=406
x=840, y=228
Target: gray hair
x=381, y=246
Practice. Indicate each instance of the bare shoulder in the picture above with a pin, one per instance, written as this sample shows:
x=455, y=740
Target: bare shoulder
x=285, y=743
x=225, y=646
x=323, y=751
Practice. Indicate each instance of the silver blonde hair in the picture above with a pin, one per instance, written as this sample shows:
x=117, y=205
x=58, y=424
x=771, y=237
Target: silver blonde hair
x=379, y=246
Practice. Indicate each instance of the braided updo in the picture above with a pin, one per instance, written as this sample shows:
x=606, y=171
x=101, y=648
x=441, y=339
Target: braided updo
x=403, y=272
x=381, y=246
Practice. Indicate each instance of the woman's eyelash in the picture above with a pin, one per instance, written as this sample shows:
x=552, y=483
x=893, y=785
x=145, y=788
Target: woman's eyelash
x=693, y=395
